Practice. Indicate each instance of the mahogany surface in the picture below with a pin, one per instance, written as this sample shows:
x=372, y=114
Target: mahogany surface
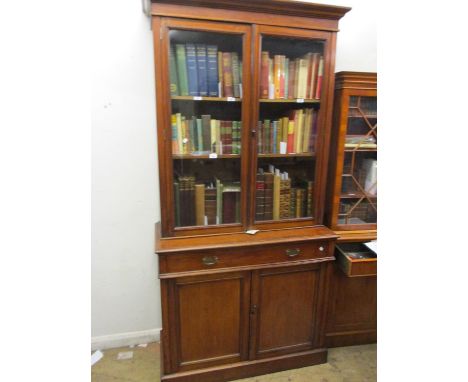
x=236, y=305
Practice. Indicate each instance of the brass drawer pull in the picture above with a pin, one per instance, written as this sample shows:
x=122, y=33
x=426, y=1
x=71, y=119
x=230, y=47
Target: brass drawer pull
x=210, y=260
x=293, y=252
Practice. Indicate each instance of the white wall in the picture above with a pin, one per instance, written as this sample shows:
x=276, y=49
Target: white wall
x=125, y=199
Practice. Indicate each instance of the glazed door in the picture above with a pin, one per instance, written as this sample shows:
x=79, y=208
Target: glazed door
x=285, y=310
x=203, y=110
x=292, y=109
x=210, y=317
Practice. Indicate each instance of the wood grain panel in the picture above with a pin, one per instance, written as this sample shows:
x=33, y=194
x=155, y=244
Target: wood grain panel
x=212, y=316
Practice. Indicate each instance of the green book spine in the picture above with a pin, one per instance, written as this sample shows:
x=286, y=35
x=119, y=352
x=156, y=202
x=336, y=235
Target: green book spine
x=182, y=69
x=193, y=134
x=267, y=137
x=177, y=203
x=239, y=136
x=199, y=135
x=173, y=74
x=235, y=74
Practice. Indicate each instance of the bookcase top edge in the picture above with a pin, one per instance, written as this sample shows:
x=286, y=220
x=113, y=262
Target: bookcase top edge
x=284, y=7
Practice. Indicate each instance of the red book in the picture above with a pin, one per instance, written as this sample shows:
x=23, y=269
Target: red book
x=277, y=75
x=282, y=61
x=264, y=72
x=227, y=75
x=318, y=91
x=291, y=130
x=313, y=78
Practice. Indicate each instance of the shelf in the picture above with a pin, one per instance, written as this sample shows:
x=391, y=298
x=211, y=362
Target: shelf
x=215, y=99
x=294, y=100
x=205, y=156
x=350, y=150
x=301, y=155
x=357, y=195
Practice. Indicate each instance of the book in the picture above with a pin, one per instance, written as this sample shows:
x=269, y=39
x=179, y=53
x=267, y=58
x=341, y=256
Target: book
x=235, y=74
x=268, y=196
x=212, y=67
x=264, y=72
x=210, y=205
x=220, y=75
x=173, y=73
x=318, y=90
x=231, y=200
x=302, y=78
x=206, y=132
x=286, y=78
x=200, y=204
x=277, y=75
x=298, y=134
x=175, y=139
x=290, y=146
x=307, y=130
x=276, y=195
x=260, y=196
x=219, y=202
x=192, y=69
x=202, y=66
x=182, y=69
x=300, y=194
x=291, y=78
x=313, y=78
x=292, y=202
x=177, y=203
x=227, y=75
x=285, y=187
x=200, y=139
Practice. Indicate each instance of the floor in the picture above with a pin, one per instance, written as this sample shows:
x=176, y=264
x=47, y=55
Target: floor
x=347, y=364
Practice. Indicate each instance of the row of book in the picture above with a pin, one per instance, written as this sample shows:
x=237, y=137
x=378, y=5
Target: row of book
x=295, y=133
x=202, y=70
x=286, y=78
x=198, y=204
x=205, y=135
x=278, y=197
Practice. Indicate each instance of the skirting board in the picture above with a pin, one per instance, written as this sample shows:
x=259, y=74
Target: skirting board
x=125, y=339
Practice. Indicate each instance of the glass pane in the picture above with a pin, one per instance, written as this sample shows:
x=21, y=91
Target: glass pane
x=290, y=91
x=206, y=101
x=358, y=203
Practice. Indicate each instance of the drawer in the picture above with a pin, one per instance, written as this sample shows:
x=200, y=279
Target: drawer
x=355, y=259
x=245, y=256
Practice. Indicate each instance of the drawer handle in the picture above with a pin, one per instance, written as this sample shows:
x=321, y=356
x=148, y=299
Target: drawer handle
x=321, y=249
x=210, y=260
x=293, y=252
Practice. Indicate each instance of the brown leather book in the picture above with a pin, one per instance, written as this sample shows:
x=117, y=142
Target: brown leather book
x=227, y=75
x=268, y=212
x=200, y=204
x=264, y=68
x=260, y=197
x=210, y=205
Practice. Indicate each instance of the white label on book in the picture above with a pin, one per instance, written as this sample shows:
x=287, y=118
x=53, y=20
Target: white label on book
x=197, y=98
x=185, y=140
x=213, y=156
x=283, y=146
x=300, y=100
x=231, y=99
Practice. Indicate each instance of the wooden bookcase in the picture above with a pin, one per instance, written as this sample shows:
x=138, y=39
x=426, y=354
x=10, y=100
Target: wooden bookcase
x=243, y=146
x=352, y=209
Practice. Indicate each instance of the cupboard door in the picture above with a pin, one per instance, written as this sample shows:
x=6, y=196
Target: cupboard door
x=285, y=310
x=211, y=316
x=291, y=114
x=204, y=113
